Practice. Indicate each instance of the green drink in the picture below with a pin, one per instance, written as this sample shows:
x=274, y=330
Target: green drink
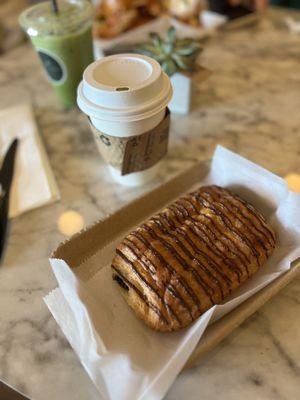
x=63, y=42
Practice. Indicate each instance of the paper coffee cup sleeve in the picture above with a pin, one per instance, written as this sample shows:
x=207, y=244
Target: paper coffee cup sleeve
x=134, y=153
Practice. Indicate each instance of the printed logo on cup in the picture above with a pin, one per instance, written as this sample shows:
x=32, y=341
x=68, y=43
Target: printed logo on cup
x=105, y=140
x=134, y=153
x=54, y=66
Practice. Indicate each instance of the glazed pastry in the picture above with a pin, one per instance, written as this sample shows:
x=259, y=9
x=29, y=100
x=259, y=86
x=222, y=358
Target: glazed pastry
x=114, y=17
x=191, y=256
x=184, y=9
x=113, y=26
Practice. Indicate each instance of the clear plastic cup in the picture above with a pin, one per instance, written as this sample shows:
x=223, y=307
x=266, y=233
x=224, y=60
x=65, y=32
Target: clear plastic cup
x=125, y=96
x=63, y=42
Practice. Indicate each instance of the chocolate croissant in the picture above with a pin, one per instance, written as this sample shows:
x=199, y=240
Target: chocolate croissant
x=191, y=256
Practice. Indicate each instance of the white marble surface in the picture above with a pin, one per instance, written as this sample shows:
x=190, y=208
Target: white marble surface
x=251, y=105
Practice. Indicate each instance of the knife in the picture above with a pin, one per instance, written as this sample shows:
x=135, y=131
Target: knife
x=8, y=393
x=6, y=177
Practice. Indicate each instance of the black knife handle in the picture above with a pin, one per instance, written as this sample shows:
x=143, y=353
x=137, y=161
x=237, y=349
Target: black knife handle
x=7, y=393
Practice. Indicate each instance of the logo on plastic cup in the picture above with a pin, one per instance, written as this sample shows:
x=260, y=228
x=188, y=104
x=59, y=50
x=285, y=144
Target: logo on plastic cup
x=54, y=66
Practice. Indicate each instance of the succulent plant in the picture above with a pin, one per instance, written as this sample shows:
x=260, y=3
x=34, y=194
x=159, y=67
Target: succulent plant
x=173, y=54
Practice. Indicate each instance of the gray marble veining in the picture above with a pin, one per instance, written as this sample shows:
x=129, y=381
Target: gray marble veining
x=250, y=104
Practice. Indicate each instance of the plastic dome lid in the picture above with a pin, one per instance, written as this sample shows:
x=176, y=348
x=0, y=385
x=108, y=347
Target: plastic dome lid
x=124, y=87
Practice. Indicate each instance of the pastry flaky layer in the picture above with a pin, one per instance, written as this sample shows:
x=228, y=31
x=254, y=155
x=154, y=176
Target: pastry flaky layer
x=191, y=256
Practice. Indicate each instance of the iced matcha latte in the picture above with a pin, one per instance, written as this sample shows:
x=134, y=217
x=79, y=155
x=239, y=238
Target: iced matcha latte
x=63, y=42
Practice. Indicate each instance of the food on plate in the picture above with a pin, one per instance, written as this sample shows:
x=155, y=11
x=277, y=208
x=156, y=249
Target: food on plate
x=191, y=256
x=116, y=16
x=185, y=10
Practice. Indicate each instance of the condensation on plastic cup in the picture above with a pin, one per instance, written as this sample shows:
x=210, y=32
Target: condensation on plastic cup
x=125, y=95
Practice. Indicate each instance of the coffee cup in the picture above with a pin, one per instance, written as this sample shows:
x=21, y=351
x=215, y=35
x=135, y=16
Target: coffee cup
x=125, y=97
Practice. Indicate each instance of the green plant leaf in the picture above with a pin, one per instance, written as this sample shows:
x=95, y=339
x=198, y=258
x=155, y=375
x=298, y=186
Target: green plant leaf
x=173, y=54
x=189, y=49
x=171, y=35
x=161, y=57
x=156, y=40
x=184, y=63
x=148, y=49
x=169, y=67
x=167, y=47
x=185, y=42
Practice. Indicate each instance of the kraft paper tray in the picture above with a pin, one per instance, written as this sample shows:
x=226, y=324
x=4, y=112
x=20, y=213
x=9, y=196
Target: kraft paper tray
x=84, y=244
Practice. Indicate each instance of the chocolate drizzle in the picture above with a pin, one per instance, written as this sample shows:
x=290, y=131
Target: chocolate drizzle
x=149, y=267
x=146, y=283
x=181, y=261
x=172, y=223
x=223, y=203
x=192, y=255
x=141, y=296
x=210, y=263
x=120, y=281
x=202, y=228
x=202, y=282
x=220, y=192
x=231, y=248
x=228, y=223
x=175, y=293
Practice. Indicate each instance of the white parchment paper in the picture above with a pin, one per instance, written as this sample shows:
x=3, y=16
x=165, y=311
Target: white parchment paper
x=124, y=358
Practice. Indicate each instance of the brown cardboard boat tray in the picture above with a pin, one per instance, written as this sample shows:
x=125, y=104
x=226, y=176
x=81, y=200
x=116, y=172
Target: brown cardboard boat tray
x=87, y=242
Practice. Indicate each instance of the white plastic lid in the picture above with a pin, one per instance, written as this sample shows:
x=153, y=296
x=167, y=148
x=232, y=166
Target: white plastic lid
x=124, y=87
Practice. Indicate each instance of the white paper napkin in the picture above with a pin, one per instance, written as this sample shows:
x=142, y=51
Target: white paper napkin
x=293, y=25
x=125, y=359
x=33, y=184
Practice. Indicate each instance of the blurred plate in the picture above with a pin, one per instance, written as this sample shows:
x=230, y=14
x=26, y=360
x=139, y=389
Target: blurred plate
x=210, y=21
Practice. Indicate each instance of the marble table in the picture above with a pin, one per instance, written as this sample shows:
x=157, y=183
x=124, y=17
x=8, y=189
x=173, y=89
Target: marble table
x=250, y=104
